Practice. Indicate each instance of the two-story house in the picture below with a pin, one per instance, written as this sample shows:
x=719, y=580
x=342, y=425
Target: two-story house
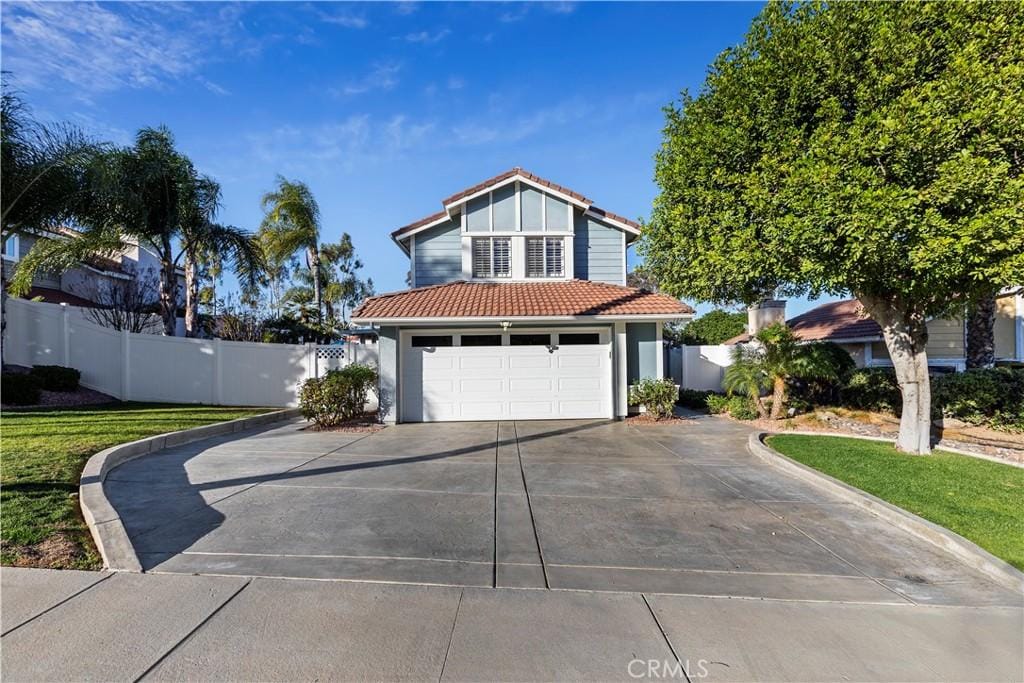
x=518, y=309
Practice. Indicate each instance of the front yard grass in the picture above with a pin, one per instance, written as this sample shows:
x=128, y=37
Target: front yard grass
x=43, y=453
x=981, y=500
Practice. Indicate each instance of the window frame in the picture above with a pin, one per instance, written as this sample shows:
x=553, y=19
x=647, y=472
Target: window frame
x=544, y=271
x=14, y=243
x=491, y=275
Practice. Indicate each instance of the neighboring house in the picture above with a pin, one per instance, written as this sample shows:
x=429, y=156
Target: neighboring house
x=845, y=323
x=518, y=310
x=90, y=283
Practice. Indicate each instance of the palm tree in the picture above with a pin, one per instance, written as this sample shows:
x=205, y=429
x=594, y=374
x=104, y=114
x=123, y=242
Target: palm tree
x=746, y=375
x=204, y=241
x=42, y=175
x=149, y=194
x=292, y=223
x=775, y=358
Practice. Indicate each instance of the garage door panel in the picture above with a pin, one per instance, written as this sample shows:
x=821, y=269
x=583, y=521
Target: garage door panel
x=491, y=386
x=483, y=410
x=532, y=410
x=534, y=384
x=579, y=384
x=488, y=362
x=506, y=382
x=530, y=362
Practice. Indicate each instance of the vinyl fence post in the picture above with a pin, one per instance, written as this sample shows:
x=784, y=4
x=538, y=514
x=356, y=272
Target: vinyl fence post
x=65, y=334
x=312, y=370
x=125, y=365
x=218, y=373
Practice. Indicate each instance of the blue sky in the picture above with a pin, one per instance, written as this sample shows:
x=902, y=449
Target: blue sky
x=383, y=108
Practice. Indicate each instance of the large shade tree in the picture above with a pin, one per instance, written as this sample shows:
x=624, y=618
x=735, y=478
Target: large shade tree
x=865, y=148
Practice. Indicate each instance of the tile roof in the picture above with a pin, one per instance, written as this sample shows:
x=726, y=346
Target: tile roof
x=479, y=187
x=462, y=299
x=833, y=321
x=508, y=174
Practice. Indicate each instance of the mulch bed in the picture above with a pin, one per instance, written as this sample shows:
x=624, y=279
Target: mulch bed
x=648, y=419
x=64, y=399
x=364, y=424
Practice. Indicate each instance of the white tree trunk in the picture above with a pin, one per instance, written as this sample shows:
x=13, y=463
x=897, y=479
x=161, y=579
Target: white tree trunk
x=906, y=336
x=191, y=298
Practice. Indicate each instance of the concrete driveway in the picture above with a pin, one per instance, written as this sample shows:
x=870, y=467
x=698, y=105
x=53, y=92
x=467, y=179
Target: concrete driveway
x=567, y=505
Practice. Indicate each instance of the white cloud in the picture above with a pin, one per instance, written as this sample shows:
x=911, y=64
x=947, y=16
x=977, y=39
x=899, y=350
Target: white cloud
x=348, y=144
x=406, y=7
x=381, y=77
x=520, y=10
x=99, y=48
x=213, y=87
x=456, y=83
x=346, y=19
x=495, y=128
x=426, y=37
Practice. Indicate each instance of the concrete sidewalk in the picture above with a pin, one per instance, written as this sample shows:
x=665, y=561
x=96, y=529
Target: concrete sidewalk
x=95, y=626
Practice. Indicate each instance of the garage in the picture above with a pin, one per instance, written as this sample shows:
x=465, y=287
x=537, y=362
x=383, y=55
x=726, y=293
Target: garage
x=529, y=374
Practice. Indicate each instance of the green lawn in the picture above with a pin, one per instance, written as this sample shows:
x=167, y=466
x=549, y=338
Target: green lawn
x=43, y=453
x=981, y=500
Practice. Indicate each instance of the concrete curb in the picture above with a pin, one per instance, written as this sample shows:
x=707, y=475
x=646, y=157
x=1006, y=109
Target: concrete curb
x=967, y=552
x=104, y=523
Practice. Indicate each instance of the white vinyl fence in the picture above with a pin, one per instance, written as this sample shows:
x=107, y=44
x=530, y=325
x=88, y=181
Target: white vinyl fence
x=147, y=367
x=698, y=367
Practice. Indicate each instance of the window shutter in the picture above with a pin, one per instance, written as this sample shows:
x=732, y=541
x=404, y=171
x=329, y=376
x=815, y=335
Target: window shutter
x=481, y=258
x=502, y=257
x=554, y=257
x=535, y=257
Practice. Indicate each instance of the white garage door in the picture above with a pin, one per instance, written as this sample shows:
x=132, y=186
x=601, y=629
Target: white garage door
x=521, y=375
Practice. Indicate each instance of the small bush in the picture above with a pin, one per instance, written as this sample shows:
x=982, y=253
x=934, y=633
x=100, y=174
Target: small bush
x=19, y=389
x=694, y=399
x=832, y=366
x=57, y=377
x=872, y=389
x=338, y=396
x=741, y=407
x=716, y=403
x=992, y=397
x=657, y=395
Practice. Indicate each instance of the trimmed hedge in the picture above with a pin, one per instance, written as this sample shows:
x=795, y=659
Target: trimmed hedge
x=19, y=389
x=992, y=397
x=57, y=377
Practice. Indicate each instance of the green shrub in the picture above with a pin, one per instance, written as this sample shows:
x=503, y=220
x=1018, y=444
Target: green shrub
x=832, y=366
x=992, y=397
x=657, y=395
x=717, y=403
x=57, y=377
x=741, y=407
x=872, y=389
x=338, y=396
x=694, y=399
x=19, y=389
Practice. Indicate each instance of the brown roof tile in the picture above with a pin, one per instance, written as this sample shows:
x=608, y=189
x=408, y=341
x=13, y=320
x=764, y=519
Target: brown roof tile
x=834, y=321
x=508, y=174
x=519, y=299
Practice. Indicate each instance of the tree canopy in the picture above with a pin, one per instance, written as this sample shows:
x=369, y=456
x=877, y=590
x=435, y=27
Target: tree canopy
x=865, y=148
x=873, y=148
x=714, y=327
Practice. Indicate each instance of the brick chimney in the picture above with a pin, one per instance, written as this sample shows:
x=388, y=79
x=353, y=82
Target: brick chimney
x=765, y=313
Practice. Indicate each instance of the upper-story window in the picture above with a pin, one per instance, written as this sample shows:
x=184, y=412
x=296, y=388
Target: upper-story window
x=545, y=257
x=492, y=257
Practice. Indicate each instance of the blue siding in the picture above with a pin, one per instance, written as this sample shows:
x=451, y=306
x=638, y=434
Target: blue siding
x=439, y=255
x=597, y=250
x=478, y=214
x=641, y=351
